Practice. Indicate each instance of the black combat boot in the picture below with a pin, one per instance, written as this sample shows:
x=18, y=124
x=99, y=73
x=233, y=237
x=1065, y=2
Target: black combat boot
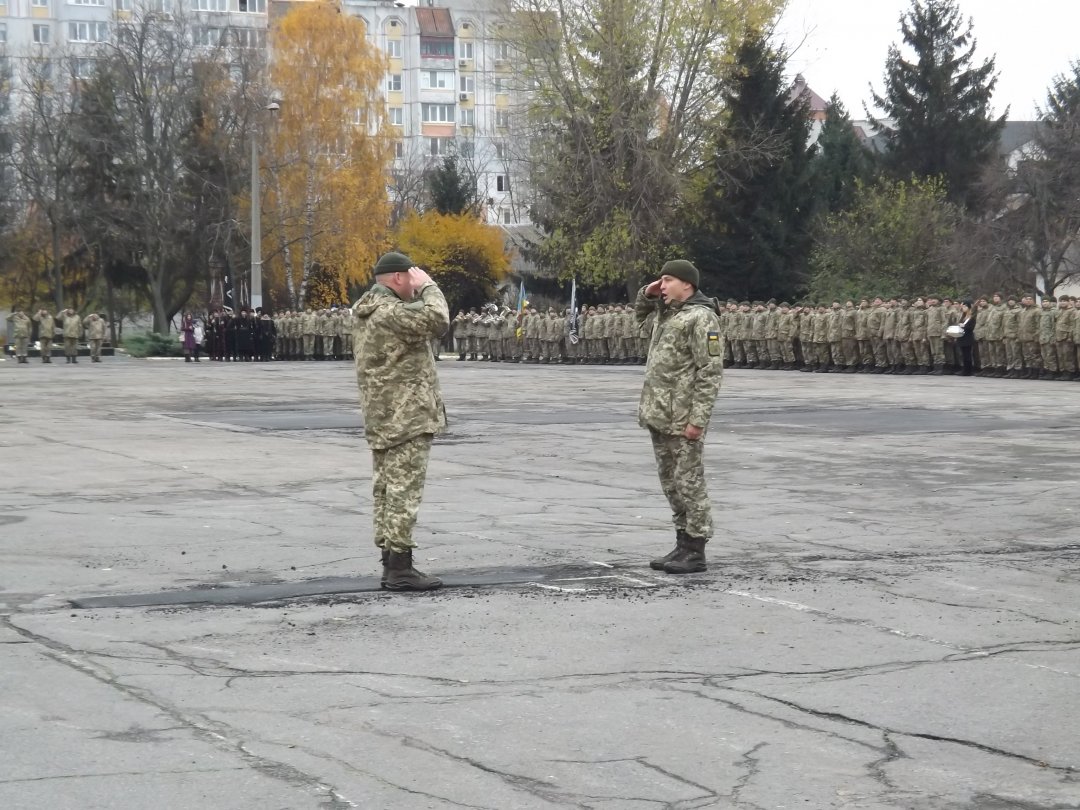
x=401, y=576
x=690, y=559
x=680, y=542
x=461, y=356
x=385, y=554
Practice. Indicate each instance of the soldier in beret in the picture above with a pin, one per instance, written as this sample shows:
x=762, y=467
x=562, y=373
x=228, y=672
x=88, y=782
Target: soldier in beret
x=396, y=320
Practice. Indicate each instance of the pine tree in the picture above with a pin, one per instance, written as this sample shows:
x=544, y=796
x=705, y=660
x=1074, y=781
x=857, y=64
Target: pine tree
x=452, y=188
x=842, y=161
x=938, y=105
x=750, y=208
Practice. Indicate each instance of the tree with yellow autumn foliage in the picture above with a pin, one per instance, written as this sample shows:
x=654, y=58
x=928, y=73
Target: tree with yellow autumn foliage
x=327, y=151
x=466, y=257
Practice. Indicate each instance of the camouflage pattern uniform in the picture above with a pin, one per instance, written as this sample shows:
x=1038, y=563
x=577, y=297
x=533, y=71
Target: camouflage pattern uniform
x=46, y=333
x=20, y=324
x=1047, y=330
x=95, y=335
x=682, y=378
x=1010, y=335
x=1029, y=337
x=1063, y=337
x=401, y=401
x=71, y=324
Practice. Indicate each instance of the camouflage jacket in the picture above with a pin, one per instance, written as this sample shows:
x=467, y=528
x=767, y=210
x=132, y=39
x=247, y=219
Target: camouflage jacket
x=21, y=325
x=399, y=391
x=686, y=363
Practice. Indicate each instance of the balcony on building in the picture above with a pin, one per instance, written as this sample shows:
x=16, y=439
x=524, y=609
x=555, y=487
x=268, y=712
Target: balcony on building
x=436, y=37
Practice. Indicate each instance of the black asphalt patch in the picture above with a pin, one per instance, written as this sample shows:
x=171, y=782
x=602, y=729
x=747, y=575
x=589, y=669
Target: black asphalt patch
x=580, y=578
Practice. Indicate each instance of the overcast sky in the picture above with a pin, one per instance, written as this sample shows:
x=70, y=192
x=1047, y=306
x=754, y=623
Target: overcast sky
x=847, y=41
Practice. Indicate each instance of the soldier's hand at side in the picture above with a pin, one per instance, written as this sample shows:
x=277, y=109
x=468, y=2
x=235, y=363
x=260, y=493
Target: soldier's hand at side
x=692, y=432
x=653, y=290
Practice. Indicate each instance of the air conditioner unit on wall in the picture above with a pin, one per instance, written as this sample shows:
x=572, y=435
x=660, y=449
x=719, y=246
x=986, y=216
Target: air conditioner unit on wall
x=463, y=62
x=463, y=96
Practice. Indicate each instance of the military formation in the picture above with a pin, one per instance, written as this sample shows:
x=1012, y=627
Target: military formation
x=254, y=335
x=606, y=334
x=1014, y=336
x=73, y=327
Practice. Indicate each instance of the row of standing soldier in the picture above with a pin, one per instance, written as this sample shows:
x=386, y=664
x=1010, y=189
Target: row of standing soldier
x=606, y=334
x=1014, y=337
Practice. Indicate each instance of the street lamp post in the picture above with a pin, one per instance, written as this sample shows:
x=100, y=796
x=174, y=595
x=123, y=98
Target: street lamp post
x=256, y=215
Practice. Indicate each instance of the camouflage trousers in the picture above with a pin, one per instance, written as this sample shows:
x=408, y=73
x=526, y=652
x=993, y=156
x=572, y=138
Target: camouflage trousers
x=681, y=466
x=71, y=347
x=20, y=346
x=397, y=484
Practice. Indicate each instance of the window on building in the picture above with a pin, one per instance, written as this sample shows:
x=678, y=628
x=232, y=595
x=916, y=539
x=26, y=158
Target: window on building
x=468, y=117
x=438, y=147
x=502, y=51
x=396, y=116
x=502, y=182
x=83, y=68
x=436, y=80
x=466, y=148
x=393, y=83
x=467, y=84
x=87, y=2
x=159, y=6
x=399, y=149
x=393, y=48
x=502, y=118
x=253, y=6
x=465, y=49
x=40, y=3
x=41, y=34
x=3, y=33
x=212, y=5
x=208, y=36
x=500, y=151
x=88, y=31
x=437, y=113
x=437, y=47
x=123, y=5
x=249, y=37
x=498, y=84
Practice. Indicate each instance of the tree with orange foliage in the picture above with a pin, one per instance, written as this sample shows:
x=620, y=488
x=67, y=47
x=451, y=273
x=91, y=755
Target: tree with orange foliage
x=327, y=152
x=466, y=257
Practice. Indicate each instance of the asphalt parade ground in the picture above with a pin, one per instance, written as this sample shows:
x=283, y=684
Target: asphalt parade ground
x=190, y=614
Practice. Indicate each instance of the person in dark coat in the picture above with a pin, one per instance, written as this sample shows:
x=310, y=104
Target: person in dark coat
x=966, y=343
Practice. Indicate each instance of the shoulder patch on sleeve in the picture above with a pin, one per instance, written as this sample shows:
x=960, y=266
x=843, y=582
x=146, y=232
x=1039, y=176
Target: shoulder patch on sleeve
x=715, y=349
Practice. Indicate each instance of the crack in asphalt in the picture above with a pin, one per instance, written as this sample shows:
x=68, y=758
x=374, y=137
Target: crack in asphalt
x=202, y=727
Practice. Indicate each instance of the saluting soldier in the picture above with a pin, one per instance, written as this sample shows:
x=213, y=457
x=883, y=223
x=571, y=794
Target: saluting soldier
x=20, y=333
x=403, y=408
x=682, y=379
x=95, y=335
x=46, y=333
x=71, y=326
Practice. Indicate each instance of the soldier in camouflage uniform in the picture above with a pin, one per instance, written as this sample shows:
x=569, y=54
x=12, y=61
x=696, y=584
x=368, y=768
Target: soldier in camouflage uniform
x=403, y=408
x=920, y=343
x=46, y=332
x=71, y=323
x=1063, y=332
x=20, y=324
x=682, y=378
x=1047, y=330
x=1028, y=332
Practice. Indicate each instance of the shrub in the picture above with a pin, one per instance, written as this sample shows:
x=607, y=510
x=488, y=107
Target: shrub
x=153, y=344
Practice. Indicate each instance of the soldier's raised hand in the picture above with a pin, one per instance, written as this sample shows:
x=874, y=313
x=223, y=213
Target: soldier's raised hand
x=653, y=290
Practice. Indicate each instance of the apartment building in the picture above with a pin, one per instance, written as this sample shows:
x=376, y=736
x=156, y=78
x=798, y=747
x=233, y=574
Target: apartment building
x=449, y=85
